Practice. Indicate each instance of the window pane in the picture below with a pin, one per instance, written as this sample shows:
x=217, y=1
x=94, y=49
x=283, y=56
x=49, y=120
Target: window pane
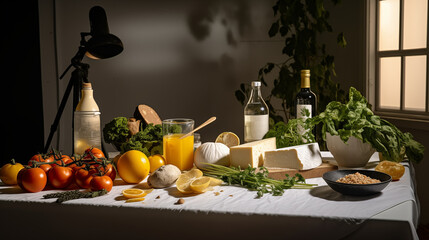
x=389, y=25
x=415, y=24
x=390, y=82
x=415, y=83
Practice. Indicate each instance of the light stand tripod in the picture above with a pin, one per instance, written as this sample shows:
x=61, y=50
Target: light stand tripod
x=102, y=45
x=79, y=75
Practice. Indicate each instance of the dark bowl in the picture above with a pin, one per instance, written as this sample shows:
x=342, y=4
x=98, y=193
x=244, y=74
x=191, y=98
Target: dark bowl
x=357, y=189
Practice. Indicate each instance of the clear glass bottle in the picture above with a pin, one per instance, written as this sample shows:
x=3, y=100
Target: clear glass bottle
x=306, y=99
x=197, y=140
x=87, y=126
x=256, y=119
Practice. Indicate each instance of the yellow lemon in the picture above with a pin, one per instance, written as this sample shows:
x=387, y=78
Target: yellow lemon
x=134, y=193
x=135, y=200
x=230, y=139
x=133, y=166
x=215, y=181
x=185, y=179
x=200, y=185
x=394, y=169
x=156, y=161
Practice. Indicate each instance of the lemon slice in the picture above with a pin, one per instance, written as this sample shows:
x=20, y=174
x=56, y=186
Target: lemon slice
x=135, y=199
x=215, y=181
x=230, y=139
x=185, y=179
x=200, y=185
x=134, y=193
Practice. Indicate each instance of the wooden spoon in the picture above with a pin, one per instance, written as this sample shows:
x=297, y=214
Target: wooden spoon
x=210, y=120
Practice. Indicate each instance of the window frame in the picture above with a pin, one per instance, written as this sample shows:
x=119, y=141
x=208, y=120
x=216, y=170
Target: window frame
x=373, y=66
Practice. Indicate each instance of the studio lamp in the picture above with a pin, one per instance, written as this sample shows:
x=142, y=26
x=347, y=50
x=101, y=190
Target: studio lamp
x=101, y=45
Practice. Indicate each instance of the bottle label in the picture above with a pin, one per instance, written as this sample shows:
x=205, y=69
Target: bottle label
x=301, y=109
x=255, y=127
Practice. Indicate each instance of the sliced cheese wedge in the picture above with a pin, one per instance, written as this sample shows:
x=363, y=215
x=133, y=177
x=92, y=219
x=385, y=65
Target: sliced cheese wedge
x=302, y=157
x=251, y=153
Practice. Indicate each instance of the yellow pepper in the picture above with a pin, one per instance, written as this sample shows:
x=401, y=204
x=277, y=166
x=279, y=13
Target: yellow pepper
x=9, y=172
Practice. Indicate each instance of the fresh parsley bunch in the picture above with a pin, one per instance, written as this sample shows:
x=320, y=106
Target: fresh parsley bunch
x=289, y=134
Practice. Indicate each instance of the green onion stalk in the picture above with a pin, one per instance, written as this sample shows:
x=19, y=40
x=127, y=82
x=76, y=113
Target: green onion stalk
x=256, y=179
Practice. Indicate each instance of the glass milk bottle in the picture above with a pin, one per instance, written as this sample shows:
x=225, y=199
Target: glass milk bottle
x=87, y=127
x=256, y=120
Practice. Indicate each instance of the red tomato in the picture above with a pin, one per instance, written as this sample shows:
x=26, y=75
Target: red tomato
x=60, y=177
x=83, y=178
x=32, y=179
x=101, y=182
x=66, y=159
x=109, y=170
x=92, y=153
x=112, y=173
x=46, y=167
x=41, y=158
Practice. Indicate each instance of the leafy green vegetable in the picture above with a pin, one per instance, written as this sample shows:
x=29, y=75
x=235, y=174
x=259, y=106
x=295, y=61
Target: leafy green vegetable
x=256, y=180
x=116, y=131
x=355, y=118
x=148, y=140
x=289, y=134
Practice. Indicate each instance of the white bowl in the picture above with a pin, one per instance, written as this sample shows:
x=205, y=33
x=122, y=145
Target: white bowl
x=352, y=154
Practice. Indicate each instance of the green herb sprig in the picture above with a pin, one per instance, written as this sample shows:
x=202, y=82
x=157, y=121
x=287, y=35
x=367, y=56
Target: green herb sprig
x=256, y=179
x=74, y=194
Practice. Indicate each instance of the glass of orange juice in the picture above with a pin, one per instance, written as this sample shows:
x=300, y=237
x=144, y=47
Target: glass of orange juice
x=178, y=150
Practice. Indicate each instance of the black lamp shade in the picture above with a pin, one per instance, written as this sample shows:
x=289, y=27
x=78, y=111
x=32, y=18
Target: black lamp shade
x=103, y=46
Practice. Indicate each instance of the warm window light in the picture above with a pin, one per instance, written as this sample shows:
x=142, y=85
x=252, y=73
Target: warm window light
x=389, y=25
x=402, y=74
x=390, y=82
x=415, y=24
x=415, y=83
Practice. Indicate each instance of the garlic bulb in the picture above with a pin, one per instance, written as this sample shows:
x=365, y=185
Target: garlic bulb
x=210, y=152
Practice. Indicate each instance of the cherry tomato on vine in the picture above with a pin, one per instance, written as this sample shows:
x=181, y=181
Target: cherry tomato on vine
x=46, y=167
x=90, y=153
x=101, y=182
x=83, y=178
x=39, y=157
x=60, y=177
x=64, y=159
x=32, y=179
x=109, y=170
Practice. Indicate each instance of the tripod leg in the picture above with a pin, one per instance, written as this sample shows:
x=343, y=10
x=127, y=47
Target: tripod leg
x=74, y=78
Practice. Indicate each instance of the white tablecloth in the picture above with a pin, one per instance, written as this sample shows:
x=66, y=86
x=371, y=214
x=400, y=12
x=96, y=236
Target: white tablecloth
x=320, y=206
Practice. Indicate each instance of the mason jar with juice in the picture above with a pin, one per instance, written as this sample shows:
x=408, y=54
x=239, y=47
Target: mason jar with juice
x=178, y=149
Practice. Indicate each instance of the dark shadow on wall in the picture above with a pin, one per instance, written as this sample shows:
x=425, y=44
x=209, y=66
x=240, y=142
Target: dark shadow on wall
x=22, y=112
x=201, y=18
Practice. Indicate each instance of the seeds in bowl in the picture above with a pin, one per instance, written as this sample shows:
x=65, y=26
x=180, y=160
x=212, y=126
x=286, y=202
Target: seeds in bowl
x=357, y=178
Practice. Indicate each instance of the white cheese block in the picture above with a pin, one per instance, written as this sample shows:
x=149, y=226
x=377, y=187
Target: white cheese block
x=302, y=157
x=251, y=153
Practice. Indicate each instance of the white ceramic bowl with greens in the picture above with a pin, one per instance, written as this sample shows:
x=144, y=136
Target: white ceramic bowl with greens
x=352, y=154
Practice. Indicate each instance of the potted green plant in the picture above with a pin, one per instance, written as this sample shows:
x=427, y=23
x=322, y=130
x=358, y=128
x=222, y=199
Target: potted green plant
x=353, y=133
x=299, y=22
